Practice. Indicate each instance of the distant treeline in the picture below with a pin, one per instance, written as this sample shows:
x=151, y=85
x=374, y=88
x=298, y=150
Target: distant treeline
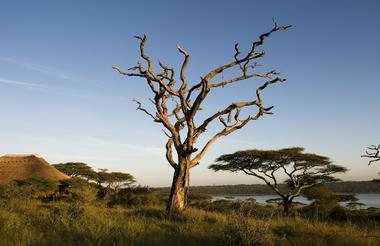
x=262, y=189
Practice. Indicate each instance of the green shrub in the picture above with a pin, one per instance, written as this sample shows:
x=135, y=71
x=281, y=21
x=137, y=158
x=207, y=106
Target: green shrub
x=136, y=197
x=33, y=187
x=81, y=191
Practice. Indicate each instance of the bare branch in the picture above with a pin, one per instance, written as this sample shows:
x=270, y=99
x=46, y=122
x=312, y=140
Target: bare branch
x=240, y=105
x=372, y=152
x=226, y=131
x=183, y=68
x=169, y=153
x=127, y=74
x=166, y=70
x=274, y=188
x=243, y=77
x=251, y=54
x=181, y=115
x=299, y=191
x=150, y=72
x=139, y=107
x=167, y=134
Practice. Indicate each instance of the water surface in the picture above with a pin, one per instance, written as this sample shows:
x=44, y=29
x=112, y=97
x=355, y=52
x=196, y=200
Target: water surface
x=370, y=200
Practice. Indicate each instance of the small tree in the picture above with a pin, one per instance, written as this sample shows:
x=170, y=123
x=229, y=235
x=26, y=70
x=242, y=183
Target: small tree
x=77, y=169
x=176, y=107
x=324, y=201
x=373, y=153
x=302, y=170
x=114, y=180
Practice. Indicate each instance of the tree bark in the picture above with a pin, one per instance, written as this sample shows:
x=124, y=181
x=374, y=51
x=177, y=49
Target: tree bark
x=182, y=116
x=286, y=206
x=180, y=187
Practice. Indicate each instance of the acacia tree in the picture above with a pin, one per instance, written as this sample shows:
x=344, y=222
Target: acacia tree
x=77, y=169
x=302, y=170
x=176, y=106
x=114, y=180
x=373, y=153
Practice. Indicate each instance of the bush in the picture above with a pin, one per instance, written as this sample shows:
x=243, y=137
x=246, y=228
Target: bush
x=33, y=187
x=81, y=191
x=135, y=197
x=248, y=208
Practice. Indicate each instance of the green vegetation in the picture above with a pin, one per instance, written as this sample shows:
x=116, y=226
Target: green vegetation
x=302, y=170
x=136, y=216
x=368, y=187
x=113, y=180
x=59, y=223
x=105, y=208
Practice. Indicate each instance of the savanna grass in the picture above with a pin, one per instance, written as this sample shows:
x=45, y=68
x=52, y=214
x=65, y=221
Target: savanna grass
x=32, y=222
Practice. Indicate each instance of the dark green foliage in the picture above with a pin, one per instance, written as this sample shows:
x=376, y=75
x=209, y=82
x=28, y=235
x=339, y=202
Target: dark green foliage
x=107, y=183
x=136, y=216
x=326, y=203
x=262, y=189
x=33, y=187
x=81, y=191
x=302, y=170
x=355, y=204
x=248, y=208
x=135, y=197
x=114, y=180
x=274, y=201
x=198, y=200
x=82, y=219
x=77, y=169
x=305, y=167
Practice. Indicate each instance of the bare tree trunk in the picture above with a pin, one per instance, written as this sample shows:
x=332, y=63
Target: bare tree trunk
x=181, y=114
x=286, y=205
x=180, y=188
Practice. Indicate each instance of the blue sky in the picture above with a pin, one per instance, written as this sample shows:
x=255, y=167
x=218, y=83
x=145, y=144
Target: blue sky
x=60, y=98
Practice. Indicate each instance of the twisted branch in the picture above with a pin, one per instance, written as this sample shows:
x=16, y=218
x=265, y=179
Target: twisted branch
x=181, y=115
x=372, y=152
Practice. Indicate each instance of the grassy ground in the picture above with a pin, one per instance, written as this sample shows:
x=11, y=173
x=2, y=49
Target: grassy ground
x=32, y=222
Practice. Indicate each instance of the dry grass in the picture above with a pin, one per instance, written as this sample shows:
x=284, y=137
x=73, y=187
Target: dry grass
x=31, y=222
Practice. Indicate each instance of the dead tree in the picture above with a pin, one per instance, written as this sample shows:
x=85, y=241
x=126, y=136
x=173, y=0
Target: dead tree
x=372, y=152
x=177, y=104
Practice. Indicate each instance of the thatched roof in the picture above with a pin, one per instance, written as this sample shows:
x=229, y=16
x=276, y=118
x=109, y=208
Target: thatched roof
x=15, y=167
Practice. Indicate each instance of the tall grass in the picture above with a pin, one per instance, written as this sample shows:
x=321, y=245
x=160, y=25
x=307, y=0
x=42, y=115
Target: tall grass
x=32, y=222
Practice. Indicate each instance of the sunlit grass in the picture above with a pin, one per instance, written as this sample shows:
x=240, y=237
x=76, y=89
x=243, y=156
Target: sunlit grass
x=32, y=222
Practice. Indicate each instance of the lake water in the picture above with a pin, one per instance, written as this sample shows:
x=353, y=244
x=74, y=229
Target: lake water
x=370, y=200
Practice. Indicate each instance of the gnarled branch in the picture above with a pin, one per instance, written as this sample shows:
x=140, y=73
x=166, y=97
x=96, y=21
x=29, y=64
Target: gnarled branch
x=372, y=152
x=189, y=98
x=169, y=153
x=139, y=107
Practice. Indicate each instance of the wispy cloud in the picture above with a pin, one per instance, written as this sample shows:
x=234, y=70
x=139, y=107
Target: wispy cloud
x=36, y=67
x=19, y=83
x=41, y=88
x=150, y=150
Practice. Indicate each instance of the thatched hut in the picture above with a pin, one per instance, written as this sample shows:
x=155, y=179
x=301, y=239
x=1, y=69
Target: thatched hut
x=16, y=167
